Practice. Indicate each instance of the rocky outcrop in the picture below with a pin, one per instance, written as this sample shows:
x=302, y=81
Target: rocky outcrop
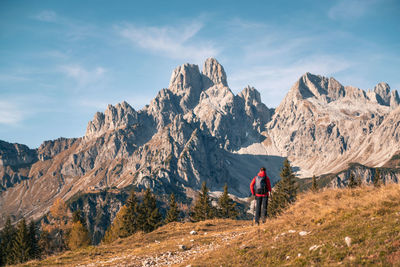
x=213, y=74
x=115, y=117
x=16, y=155
x=51, y=148
x=362, y=174
x=394, y=99
x=382, y=91
x=15, y=160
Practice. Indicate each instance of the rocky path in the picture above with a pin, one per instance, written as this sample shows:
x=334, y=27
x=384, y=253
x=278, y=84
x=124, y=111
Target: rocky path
x=175, y=256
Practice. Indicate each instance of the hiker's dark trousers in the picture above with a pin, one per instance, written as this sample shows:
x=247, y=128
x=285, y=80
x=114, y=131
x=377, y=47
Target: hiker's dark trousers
x=261, y=208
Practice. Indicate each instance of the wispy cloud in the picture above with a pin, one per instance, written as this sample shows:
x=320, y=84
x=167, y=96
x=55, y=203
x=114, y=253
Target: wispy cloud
x=83, y=76
x=10, y=114
x=177, y=42
x=350, y=9
x=274, y=81
x=275, y=58
x=46, y=16
x=71, y=28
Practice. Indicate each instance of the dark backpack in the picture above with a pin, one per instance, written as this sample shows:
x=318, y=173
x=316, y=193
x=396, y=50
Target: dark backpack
x=261, y=185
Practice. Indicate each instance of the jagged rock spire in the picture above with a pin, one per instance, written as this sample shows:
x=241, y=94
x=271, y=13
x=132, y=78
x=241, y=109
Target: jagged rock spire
x=213, y=73
x=382, y=91
x=184, y=77
x=114, y=117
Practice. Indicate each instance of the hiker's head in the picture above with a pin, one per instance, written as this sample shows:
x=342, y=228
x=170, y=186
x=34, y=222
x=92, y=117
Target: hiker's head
x=262, y=169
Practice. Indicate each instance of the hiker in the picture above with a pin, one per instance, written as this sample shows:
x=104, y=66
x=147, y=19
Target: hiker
x=261, y=187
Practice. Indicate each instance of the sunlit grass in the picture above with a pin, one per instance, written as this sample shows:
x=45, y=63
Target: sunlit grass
x=369, y=216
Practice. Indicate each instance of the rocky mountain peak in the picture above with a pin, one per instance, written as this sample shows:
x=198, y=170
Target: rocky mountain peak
x=382, y=91
x=394, y=99
x=184, y=77
x=114, y=117
x=250, y=95
x=15, y=154
x=213, y=73
x=322, y=88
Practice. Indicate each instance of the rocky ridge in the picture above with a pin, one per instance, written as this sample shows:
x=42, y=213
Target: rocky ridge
x=322, y=126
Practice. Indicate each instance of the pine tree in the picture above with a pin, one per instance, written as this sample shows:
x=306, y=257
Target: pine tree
x=149, y=217
x=377, y=178
x=45, y=242
x=79, y=236
x=277, y=201
x=33, y=241
x=21, y=248
x=314, y=186
x=7, y=236
x=203, y=210
x=130, y=222
x=226, y=206
x=285, y=191
x=173, y=211
x=352, y=181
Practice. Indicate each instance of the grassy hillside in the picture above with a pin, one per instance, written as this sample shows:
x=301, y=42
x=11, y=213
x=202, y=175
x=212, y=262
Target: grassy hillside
x=312, y=231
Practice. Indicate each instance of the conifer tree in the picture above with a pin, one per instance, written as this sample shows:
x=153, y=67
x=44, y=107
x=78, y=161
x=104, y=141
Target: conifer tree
x=173, y=211
x=130, y=222
x=226, y=206
x=314, y=186
x=7, y=239
x=21, y=248
x=203, y=210
x=33, y=241
x=377, y=178
x=277, y=201
x=149, y=216
x=79, y=236
x=285, y=191
x=45, y=242
x=352, y=181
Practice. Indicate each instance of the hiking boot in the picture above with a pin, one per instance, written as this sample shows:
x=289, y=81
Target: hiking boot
x=257, y=223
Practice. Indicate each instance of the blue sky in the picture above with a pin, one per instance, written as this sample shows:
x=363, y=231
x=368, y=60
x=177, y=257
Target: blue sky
x=61, y=61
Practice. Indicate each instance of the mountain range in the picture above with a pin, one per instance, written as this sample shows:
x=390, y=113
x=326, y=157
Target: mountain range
x=198, y=130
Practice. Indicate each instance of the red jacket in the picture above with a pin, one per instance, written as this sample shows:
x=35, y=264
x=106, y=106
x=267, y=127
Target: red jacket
x=261, y=174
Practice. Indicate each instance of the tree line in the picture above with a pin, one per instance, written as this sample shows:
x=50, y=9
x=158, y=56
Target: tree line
x=144, y=216
x=24, y=242
x=18, y=244
x=353, y=182
x=62, y=230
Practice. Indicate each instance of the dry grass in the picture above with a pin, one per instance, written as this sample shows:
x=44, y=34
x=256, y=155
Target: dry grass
x=369, y=216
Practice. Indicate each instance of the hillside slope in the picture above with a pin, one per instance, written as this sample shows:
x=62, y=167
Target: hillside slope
x=312, y=231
